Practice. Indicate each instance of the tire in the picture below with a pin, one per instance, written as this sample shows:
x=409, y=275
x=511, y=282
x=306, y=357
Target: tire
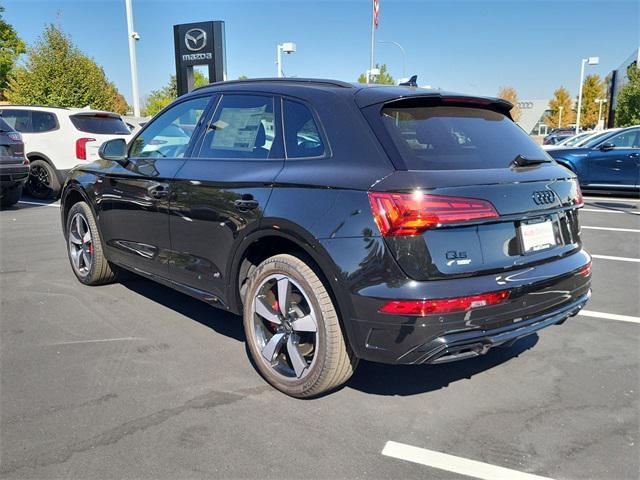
x=86, y=256
x=11, y=195
x=43, y=180
x=324, y=359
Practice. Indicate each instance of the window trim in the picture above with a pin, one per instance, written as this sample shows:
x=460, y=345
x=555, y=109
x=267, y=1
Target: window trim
x=30, y=111
x=277, y=111
x=196, y=133
x=328, y=152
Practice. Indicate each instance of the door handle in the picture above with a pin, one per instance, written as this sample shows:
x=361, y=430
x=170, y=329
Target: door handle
x=246, y=204
x=159, y=191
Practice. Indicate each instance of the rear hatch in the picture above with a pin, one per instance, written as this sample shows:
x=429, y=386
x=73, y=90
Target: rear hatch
x=95, y=128
x=11, y=145
x=459, y=205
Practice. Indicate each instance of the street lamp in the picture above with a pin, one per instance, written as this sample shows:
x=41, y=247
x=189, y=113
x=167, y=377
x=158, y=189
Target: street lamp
x=404, y=55
x=600, y=101
x=288, y=48
x=133, y=38
x=560, y=116
x=585, y=61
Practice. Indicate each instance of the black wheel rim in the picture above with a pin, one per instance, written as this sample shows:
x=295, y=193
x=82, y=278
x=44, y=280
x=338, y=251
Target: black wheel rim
x=285, y=328
x=39, y=180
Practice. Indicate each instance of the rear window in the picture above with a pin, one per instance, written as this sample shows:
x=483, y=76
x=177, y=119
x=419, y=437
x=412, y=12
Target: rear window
x=100, y=124
x=456, y=138
x=4, y=126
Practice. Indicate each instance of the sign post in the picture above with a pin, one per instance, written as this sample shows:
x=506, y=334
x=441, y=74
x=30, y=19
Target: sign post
x=201, y=43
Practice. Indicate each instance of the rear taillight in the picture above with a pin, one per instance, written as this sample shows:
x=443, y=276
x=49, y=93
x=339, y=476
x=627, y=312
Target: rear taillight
x=25, y=161
x=405, y=214
x=446, y=305
x=586, y=270
x=15, y=136
x=579, y=201
x=81, y=147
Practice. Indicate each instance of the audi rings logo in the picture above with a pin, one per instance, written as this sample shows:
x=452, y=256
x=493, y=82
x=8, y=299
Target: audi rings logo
x=195, y=39
x=544, y=197
x=525, y=105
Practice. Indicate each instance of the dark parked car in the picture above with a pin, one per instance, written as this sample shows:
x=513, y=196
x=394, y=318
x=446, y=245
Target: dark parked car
x=557, y=135
x=609, y=161
x=344, y=222
x=14, y=167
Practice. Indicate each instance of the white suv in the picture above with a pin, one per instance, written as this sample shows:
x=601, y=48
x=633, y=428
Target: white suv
x=58, y=139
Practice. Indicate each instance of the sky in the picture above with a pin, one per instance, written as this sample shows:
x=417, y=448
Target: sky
x=465, y=46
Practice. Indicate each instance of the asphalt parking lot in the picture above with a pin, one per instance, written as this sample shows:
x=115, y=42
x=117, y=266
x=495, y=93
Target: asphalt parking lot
x=134, y=380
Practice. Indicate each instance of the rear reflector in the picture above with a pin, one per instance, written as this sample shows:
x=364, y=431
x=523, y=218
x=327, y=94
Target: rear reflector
x=406, y=214
x=446, y=305
x=81, y=147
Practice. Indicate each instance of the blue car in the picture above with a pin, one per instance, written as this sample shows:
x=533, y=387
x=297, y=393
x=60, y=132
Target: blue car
x=608, y=161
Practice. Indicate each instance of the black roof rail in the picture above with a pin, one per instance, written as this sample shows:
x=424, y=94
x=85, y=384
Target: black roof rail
x=307, y=81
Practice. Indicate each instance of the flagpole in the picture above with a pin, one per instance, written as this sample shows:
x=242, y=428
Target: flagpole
x=373, y=38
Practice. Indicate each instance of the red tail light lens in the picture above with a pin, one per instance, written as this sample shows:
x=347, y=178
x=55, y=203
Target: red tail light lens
x=586, y=270
x=15, y=136
x=421, y=308
x=26, y=161
x=81, y=147
x=579, y=199
x=405, y=214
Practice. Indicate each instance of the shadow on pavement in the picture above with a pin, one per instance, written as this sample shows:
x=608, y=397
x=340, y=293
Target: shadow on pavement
x=380, y=379
x=216, y=319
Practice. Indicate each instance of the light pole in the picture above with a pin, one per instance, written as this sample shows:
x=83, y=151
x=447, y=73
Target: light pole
x=404, y=55
x=288, y=48
x=560, y=116
x=600, y=101
x=133, y=38
x=587, y=61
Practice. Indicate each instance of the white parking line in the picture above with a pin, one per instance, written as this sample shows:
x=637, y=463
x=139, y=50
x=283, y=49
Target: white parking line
x=611, y=229
x=619, y=259
x=610, y=199
x=40, y=204
x=609, y=316
x=598, y=210
x=450, y=463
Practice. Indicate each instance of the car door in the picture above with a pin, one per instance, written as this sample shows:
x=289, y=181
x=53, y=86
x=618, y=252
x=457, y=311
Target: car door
x=220, y=193
x=134, y=197
x=615, y=161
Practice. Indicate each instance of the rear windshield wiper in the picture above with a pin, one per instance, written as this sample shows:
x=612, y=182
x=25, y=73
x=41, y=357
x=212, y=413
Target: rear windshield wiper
x=522, y=161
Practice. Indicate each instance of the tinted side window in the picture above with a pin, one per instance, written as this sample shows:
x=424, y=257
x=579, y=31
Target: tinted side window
x=243, y=126
x=301, y=132
x=18, y=119
x=43, y=121
x=168, y=134
x=626, y=140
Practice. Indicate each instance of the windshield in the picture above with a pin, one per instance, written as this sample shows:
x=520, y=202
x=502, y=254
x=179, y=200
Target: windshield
x=595, y=139
x=100, y=124
x=456, y=138
x=574, y=140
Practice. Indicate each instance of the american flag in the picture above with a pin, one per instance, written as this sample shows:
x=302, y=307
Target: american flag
x=376, y=12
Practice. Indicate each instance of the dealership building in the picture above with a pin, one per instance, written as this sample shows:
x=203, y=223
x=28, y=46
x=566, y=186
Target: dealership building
x=532, y=115
x=619, y=78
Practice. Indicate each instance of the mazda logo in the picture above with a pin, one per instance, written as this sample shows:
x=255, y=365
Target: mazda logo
x=544, y=197
x=195, y=39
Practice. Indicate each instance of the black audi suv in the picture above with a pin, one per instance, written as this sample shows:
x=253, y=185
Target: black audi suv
x=14, y=166
x=343, y=222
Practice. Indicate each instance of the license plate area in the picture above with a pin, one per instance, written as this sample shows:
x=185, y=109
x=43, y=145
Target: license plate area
x=537, y=235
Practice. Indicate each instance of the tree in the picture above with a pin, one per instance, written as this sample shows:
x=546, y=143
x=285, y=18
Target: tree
x=243, y=77
x=121, y=105
x=158, y=99
x=509, y=93
x=592, y=88
x=561, y=98
x=56, y=73
x=628, y=101
x=384, y=78
x=10, y=49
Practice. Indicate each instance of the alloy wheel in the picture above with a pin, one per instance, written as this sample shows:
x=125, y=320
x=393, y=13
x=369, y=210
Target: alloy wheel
x=39, y=180
x=285, y=326
x=80, y=244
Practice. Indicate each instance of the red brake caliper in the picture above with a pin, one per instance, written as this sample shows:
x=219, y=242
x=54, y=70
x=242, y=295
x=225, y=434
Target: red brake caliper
x=276, y=307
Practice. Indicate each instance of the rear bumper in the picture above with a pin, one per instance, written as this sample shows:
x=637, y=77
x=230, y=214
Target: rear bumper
x=540, y=296
x=13, y=174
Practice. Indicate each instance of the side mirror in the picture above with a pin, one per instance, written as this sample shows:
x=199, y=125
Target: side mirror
x=114, y=150
x=606, y=146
